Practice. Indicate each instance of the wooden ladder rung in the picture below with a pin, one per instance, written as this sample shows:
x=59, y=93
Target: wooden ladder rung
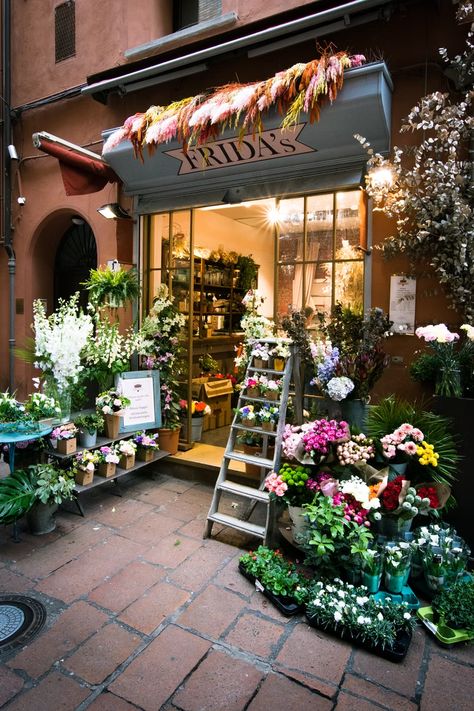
x=244, y=526
x=249, y=492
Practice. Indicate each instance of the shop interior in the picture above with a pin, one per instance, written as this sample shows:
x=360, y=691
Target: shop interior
x=299, y=252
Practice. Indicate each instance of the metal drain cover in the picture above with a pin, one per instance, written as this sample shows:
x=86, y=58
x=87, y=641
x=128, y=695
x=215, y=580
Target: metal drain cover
x=21, y=618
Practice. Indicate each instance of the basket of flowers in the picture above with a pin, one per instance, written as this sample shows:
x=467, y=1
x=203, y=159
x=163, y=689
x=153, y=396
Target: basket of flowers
x=146, y=446
x=107, y=459
x=65, y=436
x=84, y=467
x=126, y=449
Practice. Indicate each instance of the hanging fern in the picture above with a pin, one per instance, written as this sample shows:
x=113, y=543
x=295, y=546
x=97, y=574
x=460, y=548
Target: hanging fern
x=111, y=288
x=17, y=496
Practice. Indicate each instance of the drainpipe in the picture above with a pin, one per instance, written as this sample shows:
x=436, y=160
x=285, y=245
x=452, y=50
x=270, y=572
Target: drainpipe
x=7, y=188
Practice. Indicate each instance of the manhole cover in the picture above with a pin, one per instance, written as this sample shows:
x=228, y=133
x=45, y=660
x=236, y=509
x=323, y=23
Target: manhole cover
x=20, y=619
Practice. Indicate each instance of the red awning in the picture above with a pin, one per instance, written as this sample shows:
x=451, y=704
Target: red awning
x=81, y=174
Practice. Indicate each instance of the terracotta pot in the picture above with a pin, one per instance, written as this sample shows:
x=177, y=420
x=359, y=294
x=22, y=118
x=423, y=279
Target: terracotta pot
x=169, y=439
x=66, y=446
x=112, y=426
x=106, y=469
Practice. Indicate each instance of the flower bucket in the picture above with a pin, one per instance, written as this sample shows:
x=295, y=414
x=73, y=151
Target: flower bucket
x=106, y=469
x=268, y=426
x=84, y=477
x=112, y=426
x=169, y=439
x=435, y=582
x=299, y=523
x=394, y=583
x=398, y=469
x=127, y=461
x=355, y=413
x=392, y=526
x=371, y=582
x=66, y=446
x=40, y=517
x=145, y=454
x=86, y=439
x=278, y=364
x=196, y=428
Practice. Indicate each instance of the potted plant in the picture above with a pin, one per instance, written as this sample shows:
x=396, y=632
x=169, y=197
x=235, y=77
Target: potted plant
x=260, y=355
x=280, y=352
x=84, y=467
x=107, y=460
x=383, y=627
x=397, y=559
x=146, y=446
x=111, y=405
x=42, y=408
x=252, y=443
x=12, y=412
x=126, y=448
x=247, y=416
x=293, y=486
x=161, y=349
x=454, y=606
x=372, y=569
x=198, y=410
x=269, y=388
x=267, y=417
x=277, y=578
x=112, y=288
x=250, y=386
x=36, y=492
x=88, y=426
x=65, y=436
x=208, y=364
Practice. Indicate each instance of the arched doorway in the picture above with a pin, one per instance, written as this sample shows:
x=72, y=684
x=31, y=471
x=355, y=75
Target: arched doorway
x=76, y=255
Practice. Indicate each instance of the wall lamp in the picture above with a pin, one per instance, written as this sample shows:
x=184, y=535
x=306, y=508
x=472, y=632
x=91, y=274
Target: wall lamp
x=113, y=211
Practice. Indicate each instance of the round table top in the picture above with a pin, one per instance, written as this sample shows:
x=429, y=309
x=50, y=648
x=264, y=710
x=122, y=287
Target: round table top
x=14, y=437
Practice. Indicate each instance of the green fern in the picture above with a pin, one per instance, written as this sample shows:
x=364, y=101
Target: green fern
x=17, y=496
x=111, y=288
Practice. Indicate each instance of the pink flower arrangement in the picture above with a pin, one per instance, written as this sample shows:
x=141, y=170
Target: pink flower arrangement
x=275, y=484
x=322, y=434
x=438, y=332
x=402, y=441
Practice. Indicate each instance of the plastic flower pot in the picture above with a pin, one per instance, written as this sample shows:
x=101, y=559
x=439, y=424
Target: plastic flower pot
x=394, y=583
x=66, y=446
x=371, y=581
x=106, y=469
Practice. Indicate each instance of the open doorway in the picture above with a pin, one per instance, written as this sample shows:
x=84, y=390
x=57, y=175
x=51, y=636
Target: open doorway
x=76, y=255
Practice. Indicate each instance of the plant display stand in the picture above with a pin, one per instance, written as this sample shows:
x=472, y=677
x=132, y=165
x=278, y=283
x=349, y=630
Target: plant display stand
x=264, y=464
x=80, y=489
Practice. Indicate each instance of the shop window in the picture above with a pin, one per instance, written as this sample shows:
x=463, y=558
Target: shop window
x=319, y=256
x=65, y=30
x=190, y=12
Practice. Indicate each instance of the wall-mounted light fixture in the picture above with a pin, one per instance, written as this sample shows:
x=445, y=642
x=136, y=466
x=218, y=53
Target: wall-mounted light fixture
x=12, y=152
x=113, y=211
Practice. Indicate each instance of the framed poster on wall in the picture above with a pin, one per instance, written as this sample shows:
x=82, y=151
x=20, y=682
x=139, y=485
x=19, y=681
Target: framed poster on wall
x=142, y=387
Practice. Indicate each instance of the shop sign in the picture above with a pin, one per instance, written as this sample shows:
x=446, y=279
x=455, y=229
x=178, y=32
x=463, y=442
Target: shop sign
x=268, y=145
x=142, y=387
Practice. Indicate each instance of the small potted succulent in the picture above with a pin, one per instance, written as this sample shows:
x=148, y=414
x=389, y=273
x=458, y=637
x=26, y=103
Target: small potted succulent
x=111, y=405
x=88, y=426
x=146, y=446
x=107, y=459
x=65, y=436
x=126, y=448
x=84, y=467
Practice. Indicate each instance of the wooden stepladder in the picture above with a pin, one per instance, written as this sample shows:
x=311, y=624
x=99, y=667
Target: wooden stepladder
x=254, y=494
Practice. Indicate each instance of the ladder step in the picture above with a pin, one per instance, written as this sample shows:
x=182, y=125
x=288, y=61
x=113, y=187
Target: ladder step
x=257, y=430
x=241, y=457
x=268, y=370
x=260, y=399
x=244, y=526
x=241, y=490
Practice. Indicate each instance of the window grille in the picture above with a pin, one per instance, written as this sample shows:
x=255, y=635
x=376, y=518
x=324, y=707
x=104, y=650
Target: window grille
x=189, y=12
x=65, y=30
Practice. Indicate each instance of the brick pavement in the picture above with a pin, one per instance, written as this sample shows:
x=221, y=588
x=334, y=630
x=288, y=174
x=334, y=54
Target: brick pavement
x=145, y=614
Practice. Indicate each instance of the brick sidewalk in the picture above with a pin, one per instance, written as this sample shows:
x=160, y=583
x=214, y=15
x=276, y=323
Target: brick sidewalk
x=144, y=614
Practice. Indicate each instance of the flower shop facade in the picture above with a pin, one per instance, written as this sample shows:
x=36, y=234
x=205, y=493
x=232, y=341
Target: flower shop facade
x=291, y=200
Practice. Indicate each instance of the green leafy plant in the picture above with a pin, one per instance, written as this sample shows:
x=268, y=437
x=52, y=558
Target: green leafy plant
x=276, y=574
x=248, y=272
x=111, y=288
x=10, y=409
x=208, y=364
x=52, y=485
x=455, y=605
x=91, y=422
x=17, y=495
